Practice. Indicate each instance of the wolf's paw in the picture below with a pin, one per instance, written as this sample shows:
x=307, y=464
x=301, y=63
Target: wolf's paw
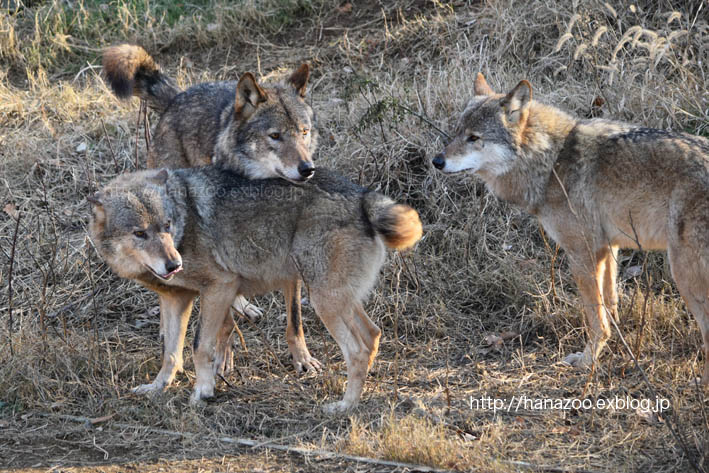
x=224, y=360
x=201, y=393
x=249, y=310
x=303, y=362
x=339, y=407
x=578, y=360
x=227, y=366
x=252, y=312
x=152, y=388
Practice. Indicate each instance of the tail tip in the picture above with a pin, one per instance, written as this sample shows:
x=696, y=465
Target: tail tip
x=122, y=63
x=404, y=229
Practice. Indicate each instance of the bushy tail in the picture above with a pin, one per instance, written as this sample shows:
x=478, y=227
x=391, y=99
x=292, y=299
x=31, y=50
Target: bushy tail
x=131, y=71
x=398, y=224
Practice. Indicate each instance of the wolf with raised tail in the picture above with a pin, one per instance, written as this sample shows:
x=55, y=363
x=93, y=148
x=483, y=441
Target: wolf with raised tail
x=259, y=131
x=596, y=186
x=210, y=232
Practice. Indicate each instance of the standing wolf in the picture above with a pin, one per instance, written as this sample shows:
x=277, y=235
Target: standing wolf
x=209, y=232
x=596, y=186
x=258, y=131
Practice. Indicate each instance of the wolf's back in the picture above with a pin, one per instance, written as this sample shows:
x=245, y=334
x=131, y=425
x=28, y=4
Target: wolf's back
x=398, y=224
x=131, y=71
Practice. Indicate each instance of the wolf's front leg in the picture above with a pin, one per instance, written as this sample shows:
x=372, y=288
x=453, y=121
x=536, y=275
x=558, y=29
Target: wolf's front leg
x=588, y=276
x=175, y=310
x=214, y=308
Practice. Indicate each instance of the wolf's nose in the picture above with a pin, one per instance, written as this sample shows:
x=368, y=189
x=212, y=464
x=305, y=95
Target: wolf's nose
x=306, y=169
x=171, y=266
x=439, y=161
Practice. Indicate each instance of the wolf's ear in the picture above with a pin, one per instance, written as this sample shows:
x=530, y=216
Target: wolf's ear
x=516, y=103
x=161, y=177
x=248, y=96
x=481, y=86
x=299, y=79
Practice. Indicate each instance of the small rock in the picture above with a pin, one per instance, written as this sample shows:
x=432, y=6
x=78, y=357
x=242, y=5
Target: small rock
x=11, y=210
x=648, y=416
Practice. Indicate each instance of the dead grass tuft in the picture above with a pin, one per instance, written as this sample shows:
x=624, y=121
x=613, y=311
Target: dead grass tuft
x=409, y=439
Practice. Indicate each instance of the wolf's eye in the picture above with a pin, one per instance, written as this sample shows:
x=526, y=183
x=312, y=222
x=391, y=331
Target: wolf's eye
x=167, y=226
x=140, y=234
x=473, y=138
x=275, y=135
x=305, y=131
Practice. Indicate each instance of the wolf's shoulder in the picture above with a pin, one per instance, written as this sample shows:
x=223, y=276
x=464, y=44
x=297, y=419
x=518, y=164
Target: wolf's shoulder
x=210, y=92
x=330, y=181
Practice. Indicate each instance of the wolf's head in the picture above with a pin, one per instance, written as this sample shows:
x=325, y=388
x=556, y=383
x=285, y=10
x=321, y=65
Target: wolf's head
x=132, y=226
x=489, y=132
x=272, y=132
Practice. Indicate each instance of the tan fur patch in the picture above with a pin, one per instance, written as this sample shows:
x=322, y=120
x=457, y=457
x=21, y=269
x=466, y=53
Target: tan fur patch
x=406, y=228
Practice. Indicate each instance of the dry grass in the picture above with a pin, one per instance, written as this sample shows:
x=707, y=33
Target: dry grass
x=81, y=337
x=410, y=439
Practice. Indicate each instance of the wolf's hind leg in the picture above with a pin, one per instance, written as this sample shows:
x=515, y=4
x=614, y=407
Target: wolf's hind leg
x=692, y=278
x=224, y=357
x=358, y=338
x=302, y=361
x=610, y=284
x=175, y=310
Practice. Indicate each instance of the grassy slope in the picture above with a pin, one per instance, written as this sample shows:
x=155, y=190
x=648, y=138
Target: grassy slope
x=81, y=337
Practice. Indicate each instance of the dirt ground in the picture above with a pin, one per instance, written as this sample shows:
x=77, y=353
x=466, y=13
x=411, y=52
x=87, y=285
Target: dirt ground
x=84, y=448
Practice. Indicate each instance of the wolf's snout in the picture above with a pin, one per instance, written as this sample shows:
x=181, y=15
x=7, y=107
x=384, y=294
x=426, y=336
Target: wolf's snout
x=439, y=161
x=306, y=169
x=173, y=265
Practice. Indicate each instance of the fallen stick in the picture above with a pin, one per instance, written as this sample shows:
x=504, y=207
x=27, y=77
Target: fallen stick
x=326, y=454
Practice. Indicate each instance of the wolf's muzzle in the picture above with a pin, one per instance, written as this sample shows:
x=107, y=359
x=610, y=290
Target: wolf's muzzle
x=306, y=169
x=172, y=266
x=439, y=161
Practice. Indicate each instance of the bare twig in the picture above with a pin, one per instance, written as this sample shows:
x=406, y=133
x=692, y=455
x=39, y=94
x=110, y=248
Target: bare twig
x=110, y=146
x=262, y=337
x=146, y=128
x=646, y=301
x=9, y=283
x=313, y=454
x=424, y=119
x=141, y=113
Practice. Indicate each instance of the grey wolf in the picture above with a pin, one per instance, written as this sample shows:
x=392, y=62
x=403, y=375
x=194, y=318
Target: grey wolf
x=257, y=130
x=210, y=232
x=596, y=186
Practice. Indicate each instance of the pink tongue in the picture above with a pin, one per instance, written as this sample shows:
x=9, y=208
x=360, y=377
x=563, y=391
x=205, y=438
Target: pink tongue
x=173, y=272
